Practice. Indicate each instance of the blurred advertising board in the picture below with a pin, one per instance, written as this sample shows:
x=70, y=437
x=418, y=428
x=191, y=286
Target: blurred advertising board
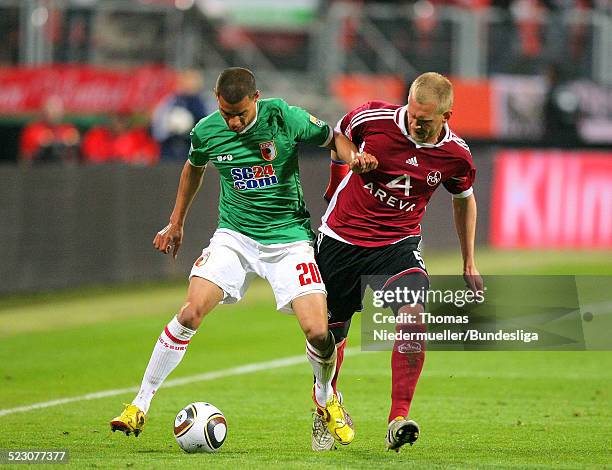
x=518, y=104
x=552, y=199
x=263, y=14
x=84, y=89
x=355, y=89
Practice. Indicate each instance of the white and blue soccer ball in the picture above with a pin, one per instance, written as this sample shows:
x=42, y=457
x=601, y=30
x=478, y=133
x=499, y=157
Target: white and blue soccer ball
x=200, y=427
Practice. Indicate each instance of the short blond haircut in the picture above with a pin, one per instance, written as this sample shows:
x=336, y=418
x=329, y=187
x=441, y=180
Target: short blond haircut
x=431, y=87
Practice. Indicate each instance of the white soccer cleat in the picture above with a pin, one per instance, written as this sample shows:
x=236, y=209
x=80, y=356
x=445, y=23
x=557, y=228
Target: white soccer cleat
x=322, y=440
x=401, y=431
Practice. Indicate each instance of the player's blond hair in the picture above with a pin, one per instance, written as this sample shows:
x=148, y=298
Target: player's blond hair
x=431, y=87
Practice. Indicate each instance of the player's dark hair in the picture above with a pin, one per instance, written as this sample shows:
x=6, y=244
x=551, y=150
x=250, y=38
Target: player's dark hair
x=235, y=83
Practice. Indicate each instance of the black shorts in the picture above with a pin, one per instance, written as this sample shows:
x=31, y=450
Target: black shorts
x=342, y=265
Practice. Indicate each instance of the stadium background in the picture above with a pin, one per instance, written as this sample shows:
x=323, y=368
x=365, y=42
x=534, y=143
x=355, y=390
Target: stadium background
x=79, y=276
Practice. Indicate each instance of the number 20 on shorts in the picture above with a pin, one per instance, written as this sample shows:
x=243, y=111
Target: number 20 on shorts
x=309, y=273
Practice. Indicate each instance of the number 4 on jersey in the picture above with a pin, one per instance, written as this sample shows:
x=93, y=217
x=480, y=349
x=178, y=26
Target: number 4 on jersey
x=397, y=184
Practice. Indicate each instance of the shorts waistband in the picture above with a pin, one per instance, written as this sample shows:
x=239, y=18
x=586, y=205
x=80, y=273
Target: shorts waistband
x=256, y=245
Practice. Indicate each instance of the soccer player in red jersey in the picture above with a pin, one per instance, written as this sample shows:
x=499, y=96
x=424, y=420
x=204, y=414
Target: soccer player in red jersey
x=372, y=225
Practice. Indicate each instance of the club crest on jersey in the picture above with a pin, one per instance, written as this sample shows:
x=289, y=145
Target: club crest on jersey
x=409, y=347
x=268, y=150
x=433, y=177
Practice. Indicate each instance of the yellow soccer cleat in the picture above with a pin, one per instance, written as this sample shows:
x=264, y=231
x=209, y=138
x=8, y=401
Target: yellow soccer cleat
x=338, y=421
x=132, y=420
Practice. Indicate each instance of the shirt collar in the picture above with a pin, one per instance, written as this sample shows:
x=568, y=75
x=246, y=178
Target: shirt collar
x=246, y=129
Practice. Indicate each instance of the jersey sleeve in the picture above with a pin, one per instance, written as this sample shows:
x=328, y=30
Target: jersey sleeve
x=352, y=126
x=304, y=127
x=460, y=185
x=197, y=152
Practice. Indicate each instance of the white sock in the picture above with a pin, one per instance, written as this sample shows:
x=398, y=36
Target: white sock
x=167, y=353
x=323, y=366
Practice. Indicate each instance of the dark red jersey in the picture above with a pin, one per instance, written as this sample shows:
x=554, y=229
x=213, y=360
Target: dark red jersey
x=386, y=205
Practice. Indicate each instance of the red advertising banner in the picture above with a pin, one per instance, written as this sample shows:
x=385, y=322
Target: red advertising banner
x=552, y=199
x=473, y=109
x=354, y=90
x=83, y=89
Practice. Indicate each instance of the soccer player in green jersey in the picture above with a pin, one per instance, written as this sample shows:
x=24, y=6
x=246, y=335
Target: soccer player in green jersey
x=264, y=230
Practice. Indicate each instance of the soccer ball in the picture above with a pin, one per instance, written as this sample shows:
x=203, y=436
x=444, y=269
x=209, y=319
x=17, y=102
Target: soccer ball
x=200, y=427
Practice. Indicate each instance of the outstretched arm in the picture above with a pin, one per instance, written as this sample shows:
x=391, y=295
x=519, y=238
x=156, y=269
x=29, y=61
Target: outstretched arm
x=171, y=236
x=464, y=211
x=359, y=162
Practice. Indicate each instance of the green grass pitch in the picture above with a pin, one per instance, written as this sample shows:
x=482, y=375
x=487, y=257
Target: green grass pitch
x=476, y=409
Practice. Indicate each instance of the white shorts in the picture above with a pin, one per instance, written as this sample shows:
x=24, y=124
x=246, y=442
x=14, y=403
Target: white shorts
x=232, y=260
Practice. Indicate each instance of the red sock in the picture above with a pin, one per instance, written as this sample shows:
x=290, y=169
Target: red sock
x=406, y=364
x=339, y=359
